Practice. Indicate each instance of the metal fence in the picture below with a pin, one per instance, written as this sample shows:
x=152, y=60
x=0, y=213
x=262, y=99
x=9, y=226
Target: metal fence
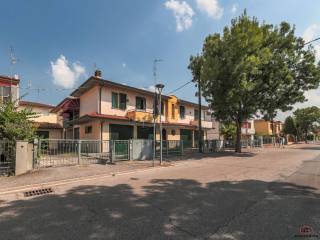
x=7, y=157
x=61, y=152
x=170, y=148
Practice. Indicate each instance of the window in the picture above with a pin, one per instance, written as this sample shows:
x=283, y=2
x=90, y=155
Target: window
x=119, y=100
x=5, y=93
x=162, y=108
x=88, y=129
x=140, y=103
x=196, y=114
x=172, y=111
x=123, y=101
x=182, y=112
x=115, y=103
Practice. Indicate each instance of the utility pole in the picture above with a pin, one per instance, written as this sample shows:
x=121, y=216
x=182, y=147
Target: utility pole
x=199, y=118
x=155, y=61
x=160, y=87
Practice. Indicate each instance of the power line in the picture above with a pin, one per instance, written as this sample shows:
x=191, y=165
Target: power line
x=316, y=39
x=177, y=89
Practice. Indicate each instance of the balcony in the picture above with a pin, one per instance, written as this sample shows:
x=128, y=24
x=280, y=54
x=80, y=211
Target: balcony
x=204, y=124
x=140, y=116
x=248, y=131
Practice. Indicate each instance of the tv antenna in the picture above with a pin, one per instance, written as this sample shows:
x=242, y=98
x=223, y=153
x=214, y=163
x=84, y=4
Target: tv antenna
x=13, y=61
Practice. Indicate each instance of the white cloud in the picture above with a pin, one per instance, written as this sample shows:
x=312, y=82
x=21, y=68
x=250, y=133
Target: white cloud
x=64, y=74
x=124, y=65
x=211, y=7
x=183, y=13
x=312, y=32
x=234, y=8
x=151, y=88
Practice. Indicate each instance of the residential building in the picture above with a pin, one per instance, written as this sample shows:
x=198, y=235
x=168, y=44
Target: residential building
x=105, y=110
x=9, y=88
x=248, y=129
x=47, y=123
x=268, y=128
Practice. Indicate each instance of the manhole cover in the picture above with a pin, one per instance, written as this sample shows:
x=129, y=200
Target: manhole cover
x=38, y=192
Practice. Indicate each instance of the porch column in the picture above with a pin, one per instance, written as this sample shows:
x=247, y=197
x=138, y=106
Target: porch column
x=193, y=138
x=135, y=132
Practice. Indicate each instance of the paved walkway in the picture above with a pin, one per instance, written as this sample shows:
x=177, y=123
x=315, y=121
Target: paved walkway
x=69, y=173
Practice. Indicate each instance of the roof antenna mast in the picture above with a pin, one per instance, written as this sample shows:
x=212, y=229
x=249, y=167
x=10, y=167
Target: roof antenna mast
x=13, y=61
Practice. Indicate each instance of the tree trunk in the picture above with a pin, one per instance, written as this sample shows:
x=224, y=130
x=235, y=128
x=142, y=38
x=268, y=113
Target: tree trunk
x=238, y=140
x=306, y=137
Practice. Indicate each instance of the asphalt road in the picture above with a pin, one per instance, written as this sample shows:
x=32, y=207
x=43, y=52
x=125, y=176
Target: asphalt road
x=268, y=195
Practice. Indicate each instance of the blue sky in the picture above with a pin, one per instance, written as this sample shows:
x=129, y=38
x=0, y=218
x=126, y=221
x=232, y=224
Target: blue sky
x=58, y=42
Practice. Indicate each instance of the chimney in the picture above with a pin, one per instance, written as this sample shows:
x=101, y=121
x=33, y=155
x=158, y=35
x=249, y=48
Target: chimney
x=98, y=73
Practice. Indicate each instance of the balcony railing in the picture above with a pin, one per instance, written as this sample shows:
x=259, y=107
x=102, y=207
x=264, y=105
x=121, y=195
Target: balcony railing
x=248, y=131
x=204, y=124
x=140, y=115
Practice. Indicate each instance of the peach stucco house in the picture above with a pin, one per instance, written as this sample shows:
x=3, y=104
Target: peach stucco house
x=105, y=110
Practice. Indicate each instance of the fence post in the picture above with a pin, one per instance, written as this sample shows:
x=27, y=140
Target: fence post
x=181, y=147
x=24, y=157
x=167, y=147
x=261, y=141
x=79, y=151
x=111, y=151
x=130, y=149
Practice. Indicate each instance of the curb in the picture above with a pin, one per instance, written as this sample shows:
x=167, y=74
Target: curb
x=78, y=179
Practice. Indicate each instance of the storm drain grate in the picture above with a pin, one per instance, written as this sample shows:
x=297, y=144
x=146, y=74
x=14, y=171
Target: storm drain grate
x=38, y=192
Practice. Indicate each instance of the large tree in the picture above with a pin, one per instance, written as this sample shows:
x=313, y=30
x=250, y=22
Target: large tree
x=254, y=68
x=307, y=119
x=16, y=124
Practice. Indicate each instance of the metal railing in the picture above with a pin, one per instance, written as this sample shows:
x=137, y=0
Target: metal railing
x=7, y=157
x=170, y=148
x=63, y=152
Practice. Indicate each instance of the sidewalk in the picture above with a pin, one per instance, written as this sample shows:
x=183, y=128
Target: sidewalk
x=56, y=174
x=51, y=175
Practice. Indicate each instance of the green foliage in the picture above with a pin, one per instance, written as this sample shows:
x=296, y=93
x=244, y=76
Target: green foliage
x=228, y=130
x=290, y=126
x=254, y=68
x=307, y=119
x=15, y=124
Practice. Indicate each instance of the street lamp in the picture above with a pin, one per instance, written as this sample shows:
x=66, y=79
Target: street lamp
x=160, y=87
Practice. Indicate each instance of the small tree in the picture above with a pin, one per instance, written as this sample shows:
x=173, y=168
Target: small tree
x=253, y=68
x=307, y=120
x=228, y=130
x=290, y=127
x=16, y=124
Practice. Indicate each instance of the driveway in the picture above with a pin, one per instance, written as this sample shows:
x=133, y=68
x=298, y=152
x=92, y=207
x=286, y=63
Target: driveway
x=268, y=194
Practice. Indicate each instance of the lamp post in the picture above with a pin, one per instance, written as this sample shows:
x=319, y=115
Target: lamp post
x=160, y=87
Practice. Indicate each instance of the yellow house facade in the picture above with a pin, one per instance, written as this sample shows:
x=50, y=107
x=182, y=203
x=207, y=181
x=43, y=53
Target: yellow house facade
x=267, y=128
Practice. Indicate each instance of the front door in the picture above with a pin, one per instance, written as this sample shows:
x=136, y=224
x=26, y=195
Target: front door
x=164, y=134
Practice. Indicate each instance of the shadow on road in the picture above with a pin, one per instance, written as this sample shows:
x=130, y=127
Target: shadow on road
x=167, y=209
x=200, y=156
